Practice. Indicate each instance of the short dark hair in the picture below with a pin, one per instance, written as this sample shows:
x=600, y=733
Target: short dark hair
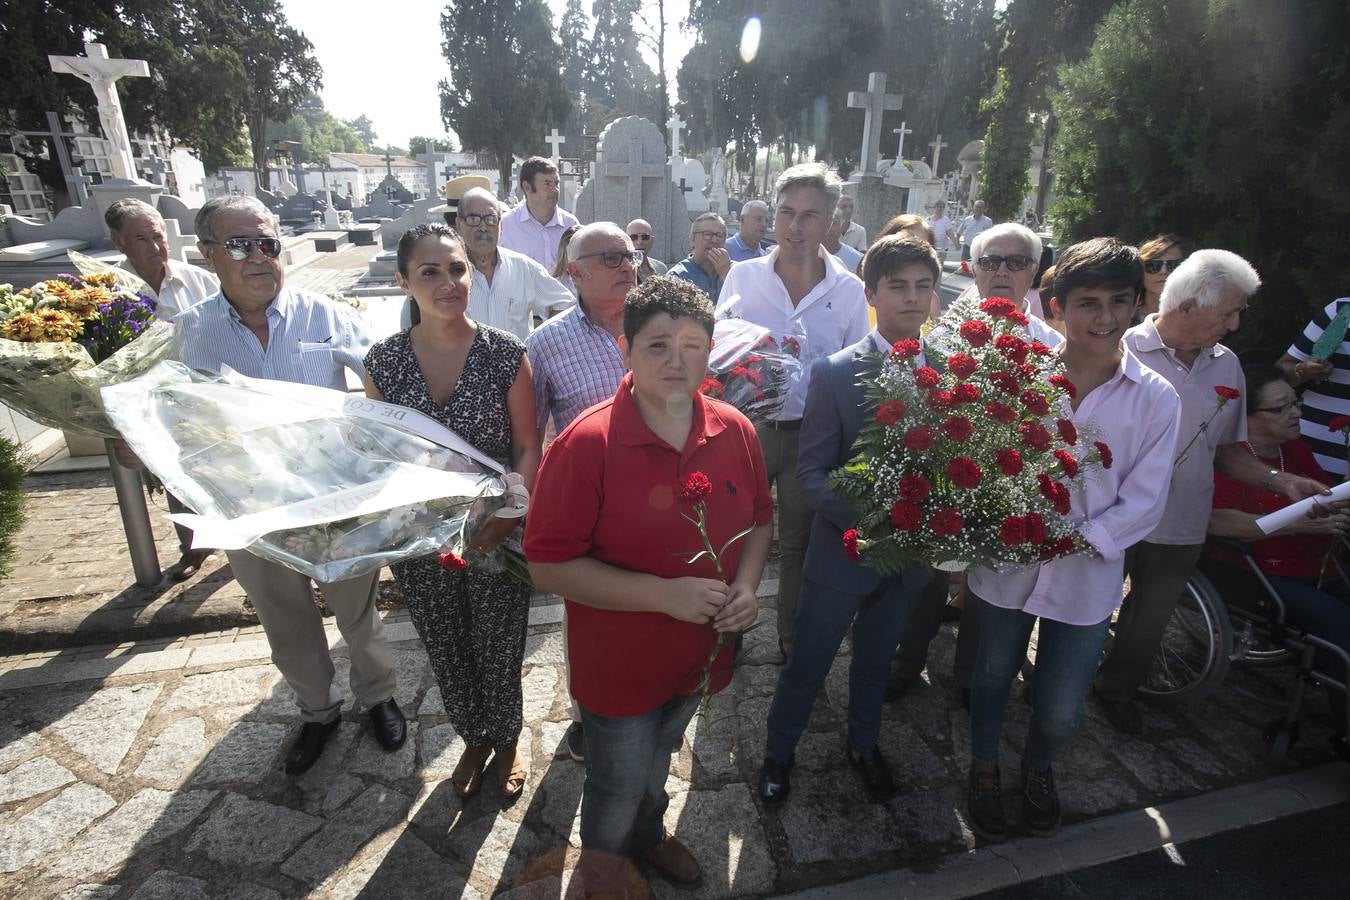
x=1098, y=262
x=675, y=297
x=892, y=253
x=534, y=166
x=1257, y=376
x=415, y=234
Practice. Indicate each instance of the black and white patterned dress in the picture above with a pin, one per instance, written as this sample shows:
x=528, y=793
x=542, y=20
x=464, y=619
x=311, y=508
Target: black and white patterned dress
x=472, y=622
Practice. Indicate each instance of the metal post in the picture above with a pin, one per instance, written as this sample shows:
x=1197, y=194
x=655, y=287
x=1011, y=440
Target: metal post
x=135, y=521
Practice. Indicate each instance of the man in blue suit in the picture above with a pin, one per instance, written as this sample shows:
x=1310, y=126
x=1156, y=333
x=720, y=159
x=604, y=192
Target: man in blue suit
x=900, y=274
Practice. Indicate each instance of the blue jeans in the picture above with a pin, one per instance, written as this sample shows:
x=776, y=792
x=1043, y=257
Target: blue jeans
x=823, y=617
x=623, y=804
x=1325, y=613
x=1066, y=658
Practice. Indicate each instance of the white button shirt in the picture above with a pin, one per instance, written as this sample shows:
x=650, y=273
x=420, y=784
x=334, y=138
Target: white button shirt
x=832, y=316
x=1137, y=414
x=184, y=285
x=520, y=289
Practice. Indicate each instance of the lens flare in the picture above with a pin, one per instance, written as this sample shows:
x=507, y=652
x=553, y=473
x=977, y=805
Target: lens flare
x=750, y=39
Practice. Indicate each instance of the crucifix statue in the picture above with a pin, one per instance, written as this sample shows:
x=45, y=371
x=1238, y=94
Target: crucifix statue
x=675, y=124
x=900, y=151
x=937, y=146
x=101, y=74
x=554, y=140
x=874, y=102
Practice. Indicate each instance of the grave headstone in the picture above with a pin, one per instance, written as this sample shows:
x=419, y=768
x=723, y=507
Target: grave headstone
x=874, y=102
x=688, y=175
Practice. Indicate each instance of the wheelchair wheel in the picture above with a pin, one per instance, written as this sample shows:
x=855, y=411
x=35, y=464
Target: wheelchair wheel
x=1193, y=658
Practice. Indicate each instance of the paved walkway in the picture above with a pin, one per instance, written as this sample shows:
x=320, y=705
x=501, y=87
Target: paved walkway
x=146, y=769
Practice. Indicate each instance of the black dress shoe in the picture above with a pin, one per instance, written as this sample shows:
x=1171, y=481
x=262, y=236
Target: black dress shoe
x=309, y=745
x=875, y=774
x=774, y=785
x=391, y=729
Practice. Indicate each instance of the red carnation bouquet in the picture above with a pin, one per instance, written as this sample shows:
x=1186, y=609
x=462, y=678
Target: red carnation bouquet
x=751, y=370
x=969, y=460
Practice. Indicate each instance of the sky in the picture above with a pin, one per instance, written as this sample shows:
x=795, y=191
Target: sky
x=384, y=60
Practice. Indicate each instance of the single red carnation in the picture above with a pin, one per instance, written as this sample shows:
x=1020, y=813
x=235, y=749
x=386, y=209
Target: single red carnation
x=962, y=365
x=976, y=333
x=1035, y=526
x=1009, y=461
x=1039, y=349
x=998, y=307
x=1067, y=461
x=452, y=562
x=738, y=372
x=1061, y=501
x=919, y=438
x=946, y=522
x=851, y=545
x=966, y=393
x=1226, y=393
x=1064, y=384
x=1035, y=403
x=941, y=401
x=1028, y=371
x=926, y=377
x=1012, y=531
x=696, y=486
x=1067, y=431
x=914, y=488
x=1035, y=436
x=1004, y=381
x=958, y=428
x=964, y=472
x=1000, y=412
x=1011, y=346
x=1019, y=318
x=906, y=516
x=711, y=386
x=1339, y=423
x=891, y=412
x=1104, y=452
x=906, y=349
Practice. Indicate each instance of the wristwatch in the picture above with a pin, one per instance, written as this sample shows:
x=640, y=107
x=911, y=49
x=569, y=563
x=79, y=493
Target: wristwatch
x=1269, y=479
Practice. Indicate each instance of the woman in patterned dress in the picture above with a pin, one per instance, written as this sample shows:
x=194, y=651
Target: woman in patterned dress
x=474, y=380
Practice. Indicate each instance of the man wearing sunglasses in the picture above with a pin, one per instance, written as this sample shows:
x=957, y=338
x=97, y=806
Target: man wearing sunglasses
x=708, y=261
x=261, y=329
x=640, y=233
x=1007, y=258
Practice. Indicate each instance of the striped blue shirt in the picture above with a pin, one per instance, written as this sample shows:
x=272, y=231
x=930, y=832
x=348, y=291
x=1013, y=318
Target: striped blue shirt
x=310, y=339
x=575, y=363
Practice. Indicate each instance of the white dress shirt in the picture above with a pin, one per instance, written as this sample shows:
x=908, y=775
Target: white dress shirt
x=855, y=236
x=1137, y=414
x=832, y=316
x=520, y=289
x=183, y=285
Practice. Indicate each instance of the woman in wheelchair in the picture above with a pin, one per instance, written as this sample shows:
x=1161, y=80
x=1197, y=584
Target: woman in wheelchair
x=1296, y=560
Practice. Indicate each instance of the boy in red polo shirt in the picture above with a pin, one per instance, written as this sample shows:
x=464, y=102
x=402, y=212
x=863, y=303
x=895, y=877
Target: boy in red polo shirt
x=607, y=531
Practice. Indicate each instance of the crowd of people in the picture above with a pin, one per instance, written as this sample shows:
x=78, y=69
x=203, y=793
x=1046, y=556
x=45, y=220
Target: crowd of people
x=590, y=389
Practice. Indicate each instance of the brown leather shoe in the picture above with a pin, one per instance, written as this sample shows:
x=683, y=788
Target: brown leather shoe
x=673, y=862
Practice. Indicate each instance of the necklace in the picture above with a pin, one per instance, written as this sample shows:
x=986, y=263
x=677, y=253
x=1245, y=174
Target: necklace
x=1278, y=449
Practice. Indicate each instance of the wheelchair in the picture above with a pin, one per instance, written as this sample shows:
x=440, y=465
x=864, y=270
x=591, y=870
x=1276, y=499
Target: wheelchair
x=1232, y=615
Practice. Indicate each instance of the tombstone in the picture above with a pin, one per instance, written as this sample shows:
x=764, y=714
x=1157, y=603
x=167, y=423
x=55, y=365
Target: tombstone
x=630, y=180
x=101, y=73
x=916, y=179
x=717, y=181
x=189, y=176
x=874, y=102
x=300, y=207
x=154, y=170
x=393, y=189
x=282, y=183
x=689, y=177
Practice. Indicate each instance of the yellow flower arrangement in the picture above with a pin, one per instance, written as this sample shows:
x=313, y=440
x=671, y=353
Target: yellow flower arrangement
x=83, y=304
x=101, y=279
x=44, y=326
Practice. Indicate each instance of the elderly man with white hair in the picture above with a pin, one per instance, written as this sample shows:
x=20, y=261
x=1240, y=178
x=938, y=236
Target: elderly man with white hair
x=1007, y=258
x=137, y=230
x=1201, y=303
x=754, y=223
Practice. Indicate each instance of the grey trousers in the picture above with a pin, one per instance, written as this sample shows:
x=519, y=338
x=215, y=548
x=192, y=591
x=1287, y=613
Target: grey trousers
x=284, y=601
x=794, y=522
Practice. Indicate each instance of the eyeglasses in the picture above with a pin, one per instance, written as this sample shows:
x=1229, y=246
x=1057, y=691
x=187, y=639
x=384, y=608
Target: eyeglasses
x=1014, y=263
x=612, y=259
x=639, y=237
x=240, y=248
x=1154, y=266
x=1282, y=408
x=711, y=235
x=473, y=220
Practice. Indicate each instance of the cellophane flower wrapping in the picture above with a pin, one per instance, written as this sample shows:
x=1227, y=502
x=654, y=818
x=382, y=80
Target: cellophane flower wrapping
x=971, y=459
x=751, y=369
x=65, y=339
x=329, y=484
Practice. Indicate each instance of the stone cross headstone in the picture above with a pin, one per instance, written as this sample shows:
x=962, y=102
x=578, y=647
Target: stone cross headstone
x=874, y=102
x=675, y=125
x=76, y=183
x=101, y=74
x=554, y=141
x=154, y=167
x=902, y=131
x=937, y=146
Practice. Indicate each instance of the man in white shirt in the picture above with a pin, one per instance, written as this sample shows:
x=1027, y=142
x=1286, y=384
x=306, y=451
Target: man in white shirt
x=942, y=227
x=536, y=226
x=853, y=234
x=1007, y=258
x=809, y=301
x=971, y=227
x=137, y=230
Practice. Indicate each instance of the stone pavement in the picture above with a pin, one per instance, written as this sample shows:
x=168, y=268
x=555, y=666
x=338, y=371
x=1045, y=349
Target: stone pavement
x=151, y=769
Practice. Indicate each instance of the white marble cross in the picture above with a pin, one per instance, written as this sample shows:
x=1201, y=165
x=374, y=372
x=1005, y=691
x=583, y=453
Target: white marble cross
x=937, y=146
x=635, y=169
x=675, y=124
x=554, y=140
x=101, y=74
x=900, y=151
x=875, y=101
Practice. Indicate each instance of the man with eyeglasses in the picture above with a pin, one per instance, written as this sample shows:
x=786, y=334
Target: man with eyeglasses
x=536, y=226
x=708, y=262
x=1007, y=258
x=640, y=233
x=1202, y=302
x=260, y=328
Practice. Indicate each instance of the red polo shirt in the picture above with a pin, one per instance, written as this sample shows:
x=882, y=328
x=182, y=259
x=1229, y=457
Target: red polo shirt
x=608, y=488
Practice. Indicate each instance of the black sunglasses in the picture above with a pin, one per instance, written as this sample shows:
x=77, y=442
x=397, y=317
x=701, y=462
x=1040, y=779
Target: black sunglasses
x=639, y=237
x=1014, y=263
x=612, y=259
x=239, y=248
x=1154, y=266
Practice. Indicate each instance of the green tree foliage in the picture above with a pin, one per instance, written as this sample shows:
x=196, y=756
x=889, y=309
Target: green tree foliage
x=364, y=128
x=576, y=47
x=14, y=465
x=504, y=87
x=316, y=132
x=1228, y=121
x=618, y=77
x=417, y=145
